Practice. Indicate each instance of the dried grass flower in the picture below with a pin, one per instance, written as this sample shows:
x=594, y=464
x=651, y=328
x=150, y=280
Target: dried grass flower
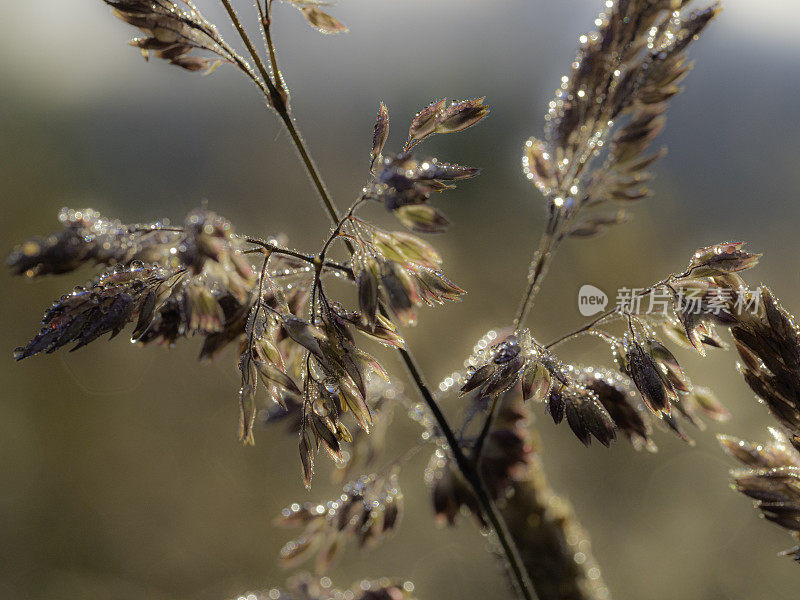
x=367, y=511
x=173, y=30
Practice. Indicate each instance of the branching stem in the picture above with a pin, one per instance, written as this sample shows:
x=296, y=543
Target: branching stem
x=272, y=92
x=467, y=469
x=266, y=23
x=617, y=310
x=338, y=229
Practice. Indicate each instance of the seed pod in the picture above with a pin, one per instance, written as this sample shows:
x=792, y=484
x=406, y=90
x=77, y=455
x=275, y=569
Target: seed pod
x=617, y=395
x=777, y=452
x=596, y=225
x=576, y=424
x=368, y=362
x=505, y=377
x=669, y=365
x=203, y=312
x=424, y=121
x=414, y=249
x=146, y=313
x=460, y=115
x=273, y=374
x=355, y=367
x=392, y=513
x=192, y=63
x=150, y=43
x=673, y=424
x=306, y=455
x=399, y=291
x=707, y=402
x=432, y=169
x=328, y=554
x=422, y=218
x=450, y=492
x=305, y=334
x=368, y=298
x=387, y=247
x=745, y=452
x=354, y=401
x=702, y=334
x=267, y=351
x=538, y=167
x=298, y=514
x=343, y=432
x=325, y=433
x=296, y=551
x=536, y=382
x=656, y=391
x=249, y=378
x=322, y=21
x=598, y=422
x=174, y=51
x=478, y=378
x=434, y=288
x=385, y=333
x=556, y=405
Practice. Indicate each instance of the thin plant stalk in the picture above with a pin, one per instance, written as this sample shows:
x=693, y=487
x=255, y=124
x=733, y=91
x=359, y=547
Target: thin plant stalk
x=469, y=471
x=278, y=102
x=540, y=264
x=467, y=468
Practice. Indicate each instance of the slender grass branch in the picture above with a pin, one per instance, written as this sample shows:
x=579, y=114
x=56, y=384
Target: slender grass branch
x=520, y=575
x=272, y=92
x=617, y=309
x=338, y=229
x=585, y=329
x=308, y=258
x=310, y=167
x=538, y=269
x=540, y=264
x=247, y=423
x=471, y=475
x=266, y=23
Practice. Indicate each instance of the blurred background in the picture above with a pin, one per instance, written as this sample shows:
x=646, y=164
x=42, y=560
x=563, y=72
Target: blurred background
x=121, y=475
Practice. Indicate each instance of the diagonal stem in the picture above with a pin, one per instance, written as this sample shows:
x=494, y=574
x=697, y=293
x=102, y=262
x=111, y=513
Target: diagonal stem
x=467, y=469
x=278, y=102
x=470, y=472
x=311, y=168
x=266, y=24
x=272, y=92
x=540, y=263
x=589, y=327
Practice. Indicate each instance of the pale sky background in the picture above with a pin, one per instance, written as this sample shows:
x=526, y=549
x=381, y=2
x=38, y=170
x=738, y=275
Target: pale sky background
x=67, y=31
